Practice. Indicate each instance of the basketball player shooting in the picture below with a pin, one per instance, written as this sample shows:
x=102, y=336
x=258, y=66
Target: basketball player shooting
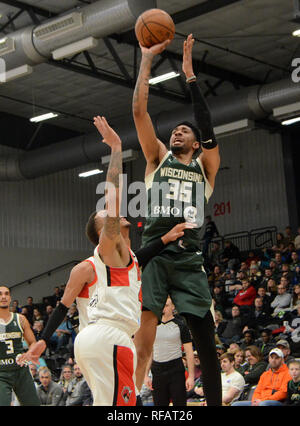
x=178, y=269
x=107, y=286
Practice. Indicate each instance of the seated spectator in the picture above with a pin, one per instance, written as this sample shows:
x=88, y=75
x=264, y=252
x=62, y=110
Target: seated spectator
x=73, y=320
x=278, y=262
x=292, y=329
x=255, y=276
x=231, y=257
x=65, y=379
x=214, y=276
x=265, y=278
x=49, y=392
x=294, y=261
x=30, y=307
x=215, y=255
x=284, y=346
x=34, y=373
x=220, y=349
x=281, y=243
x=24, y=311
x=48, y=312
x=220, y=324
x=288, y=234
x=255, y=365
x=258, y=318
x=37, y=316
x=78, y=391
x=251, y=256
x=245, y=297
x=282, y=301
x=272, y=385
x=248, y=340
x=234, y=327
x=233, y=348
x=38, y=328
x=297, y=240
x=220, y=298
x=232, y=381
x=239, y=360
x=61, y=336
x=272, y=289
x=266, y=343
x=266, y=299
x=295, y=297
x=293, y=390
x=15, y=304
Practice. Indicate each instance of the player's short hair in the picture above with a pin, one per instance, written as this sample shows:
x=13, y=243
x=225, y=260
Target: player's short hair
x=91, y=229
x=195, y=130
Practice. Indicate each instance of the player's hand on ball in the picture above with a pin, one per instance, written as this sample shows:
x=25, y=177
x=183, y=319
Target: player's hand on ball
x=156, y=49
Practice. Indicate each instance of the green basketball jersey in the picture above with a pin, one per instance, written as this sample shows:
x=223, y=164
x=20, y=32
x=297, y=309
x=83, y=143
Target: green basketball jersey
x=11, y=336
x=176, y=193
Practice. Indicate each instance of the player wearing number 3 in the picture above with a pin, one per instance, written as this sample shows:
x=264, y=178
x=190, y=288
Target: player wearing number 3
x=190, y=178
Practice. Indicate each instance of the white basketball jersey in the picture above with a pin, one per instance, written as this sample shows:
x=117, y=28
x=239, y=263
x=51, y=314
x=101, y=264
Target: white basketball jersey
x=83, y=299
x=117, y=295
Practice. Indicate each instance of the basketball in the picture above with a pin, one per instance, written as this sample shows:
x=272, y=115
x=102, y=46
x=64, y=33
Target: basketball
x=154, y=26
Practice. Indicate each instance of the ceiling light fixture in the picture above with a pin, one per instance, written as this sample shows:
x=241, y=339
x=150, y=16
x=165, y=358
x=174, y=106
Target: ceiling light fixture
x=163, y=77
x=290, y=121
x=90, y=173
x=43, y=117
x=296, y=33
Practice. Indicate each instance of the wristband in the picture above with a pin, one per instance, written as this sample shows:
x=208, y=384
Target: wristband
x=55, y=319
x=192, y=78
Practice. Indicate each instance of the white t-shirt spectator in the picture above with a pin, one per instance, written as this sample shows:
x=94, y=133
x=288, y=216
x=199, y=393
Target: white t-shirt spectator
x=235, y=380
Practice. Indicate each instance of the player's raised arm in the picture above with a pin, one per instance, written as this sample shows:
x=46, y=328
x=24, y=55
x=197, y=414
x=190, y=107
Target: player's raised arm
x=153, y=149
x=210, y=151
x=112, y=247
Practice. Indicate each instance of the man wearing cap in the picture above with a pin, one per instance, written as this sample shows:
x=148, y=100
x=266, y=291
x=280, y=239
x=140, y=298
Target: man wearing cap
x=284, y=346
x=272, y=386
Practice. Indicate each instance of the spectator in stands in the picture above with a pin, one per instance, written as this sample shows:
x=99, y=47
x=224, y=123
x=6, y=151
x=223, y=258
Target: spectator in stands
x=272, y=289
x=65, y=379
x=266, y=343
x=248, y=339
x=297, y=240
x=284, y=280
x=282, y=301
x=295, y=296
x=272, y=386
x=15, y=304
x=49, y=392
x=24, y=311
x=252, y=256
x=255, y=276
x=293, y=398
x=266, y=299
x=232, y=381
x=49, y=310
x=37, y=316
x=258, y=317
x=215, y=255
x=231, y=256
x=220, y=298
x=234, y=327
x=280, y=244
x=78, y=392
x=239, y=359
x=245, y=297
x=38, y=327
x=30, y=307
x=220, y=350
x=61, y=336
x=288, y=235
x=278, y=262
x=295, y=261
x=210, y=232
x=220, y=323
x=265, y=278
x=255, y=365
x=73, y=321
x=34, y=373
x=284, y=346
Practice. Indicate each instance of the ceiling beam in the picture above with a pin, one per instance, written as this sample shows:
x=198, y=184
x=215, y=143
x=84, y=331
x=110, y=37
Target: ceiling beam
x=24, y=6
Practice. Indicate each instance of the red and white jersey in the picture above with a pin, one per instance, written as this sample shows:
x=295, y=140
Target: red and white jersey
x=117, y=296
x=83, y=299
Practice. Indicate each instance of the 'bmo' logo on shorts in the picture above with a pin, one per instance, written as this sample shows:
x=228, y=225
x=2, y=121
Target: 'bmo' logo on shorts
x=126, y=393
x=7, y=361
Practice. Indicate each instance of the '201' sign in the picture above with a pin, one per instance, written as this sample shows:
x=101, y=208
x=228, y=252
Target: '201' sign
x=220, y=209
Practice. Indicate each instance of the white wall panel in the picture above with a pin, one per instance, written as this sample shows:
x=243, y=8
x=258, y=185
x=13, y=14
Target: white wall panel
x=251, y=179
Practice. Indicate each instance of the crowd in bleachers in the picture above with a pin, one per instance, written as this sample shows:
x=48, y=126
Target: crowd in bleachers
x=256, y=298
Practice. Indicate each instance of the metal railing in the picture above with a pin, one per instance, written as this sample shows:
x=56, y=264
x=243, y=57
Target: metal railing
x=255, y=239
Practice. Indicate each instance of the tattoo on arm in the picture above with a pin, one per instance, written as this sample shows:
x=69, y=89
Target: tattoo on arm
x=113, y=195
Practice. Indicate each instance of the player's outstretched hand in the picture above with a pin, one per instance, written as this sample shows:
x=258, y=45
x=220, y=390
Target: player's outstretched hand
x=110, y=137
x=33, y=354
x=187, y=60
x=177, y=231
x=156, y=49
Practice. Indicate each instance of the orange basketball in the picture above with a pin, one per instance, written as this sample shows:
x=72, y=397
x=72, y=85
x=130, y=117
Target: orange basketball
x=154, y=26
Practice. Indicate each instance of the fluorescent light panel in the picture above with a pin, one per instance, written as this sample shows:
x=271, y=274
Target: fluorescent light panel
x=163, y=77
x=234, y=127
x=290, y=121
x=43, y=117
x=73, y=48
x=287, y=110
x=296, y=33
x=90, y=173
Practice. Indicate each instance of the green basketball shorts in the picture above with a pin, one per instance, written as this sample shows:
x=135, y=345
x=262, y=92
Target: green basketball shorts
x=182, y=277
x=20, y=381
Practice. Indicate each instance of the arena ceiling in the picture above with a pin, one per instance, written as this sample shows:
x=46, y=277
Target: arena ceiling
x=239, y=43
